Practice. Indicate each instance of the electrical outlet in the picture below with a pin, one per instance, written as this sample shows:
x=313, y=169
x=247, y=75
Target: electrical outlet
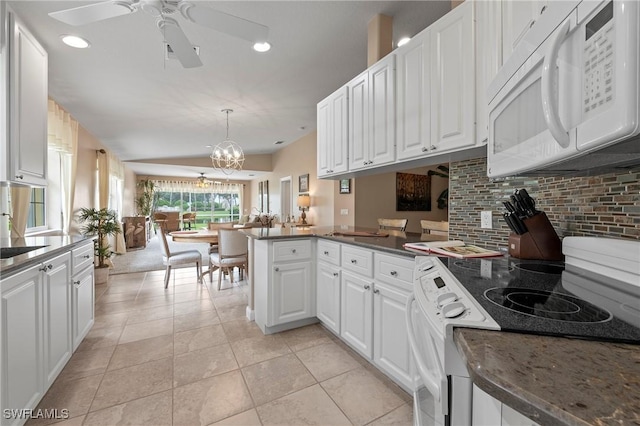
x=344, y=212
x=485, y=268
x=486, y=219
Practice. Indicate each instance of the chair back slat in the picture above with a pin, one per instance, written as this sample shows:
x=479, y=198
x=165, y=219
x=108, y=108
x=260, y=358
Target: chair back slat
x=232, y=243
x=435, y=227
x=165, y=243
x=394, y=224
x=212, y=226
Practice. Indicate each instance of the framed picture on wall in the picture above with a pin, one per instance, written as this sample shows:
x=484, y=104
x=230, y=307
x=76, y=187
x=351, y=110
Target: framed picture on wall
x=345, y=186
x=303, y=183
x=413, y=192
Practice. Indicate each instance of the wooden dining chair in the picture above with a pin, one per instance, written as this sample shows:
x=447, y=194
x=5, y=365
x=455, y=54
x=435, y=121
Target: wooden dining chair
x=435, y=227
x=393, y=224
x=170, y=259
x=158, y=220
x=232, y=252
x=188, y=219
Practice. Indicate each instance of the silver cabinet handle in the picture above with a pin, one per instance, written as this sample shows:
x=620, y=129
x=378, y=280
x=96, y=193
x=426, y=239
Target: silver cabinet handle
x=276, y=269
x=354, y=261
x=86, y=256
x=46, y=268
x=433, y=147
x=335, y=274
x=293, y=251
x=20, y=177
x=367, y=286
x=376, y=291
x=425, y=149
x=76, y=283
x=326, y=253
x=393, y=273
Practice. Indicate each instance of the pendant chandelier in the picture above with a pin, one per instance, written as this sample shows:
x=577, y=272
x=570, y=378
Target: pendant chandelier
x=227, y=156
x=202, y=181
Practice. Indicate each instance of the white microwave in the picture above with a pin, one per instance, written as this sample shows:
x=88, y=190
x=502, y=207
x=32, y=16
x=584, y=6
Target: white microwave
x=567, y=99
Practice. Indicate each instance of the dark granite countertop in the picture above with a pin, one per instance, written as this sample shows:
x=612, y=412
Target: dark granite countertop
x=54, y=245
x=393, y=243
x=555, y=380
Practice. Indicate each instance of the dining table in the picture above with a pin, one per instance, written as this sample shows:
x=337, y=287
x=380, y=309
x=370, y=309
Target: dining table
x=199, y=236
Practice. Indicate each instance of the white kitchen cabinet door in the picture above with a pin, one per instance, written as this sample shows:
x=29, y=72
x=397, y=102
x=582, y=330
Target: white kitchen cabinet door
x=413, y=127
x=57, y=316
x=453, y=80
x=332, y=123
x=83, y=300
x=382, y=112
x=359, y=122
x=488, y=29
x=391, y=351
x=356, y=314
x=293, y=293
x=22, y=351
x=328, y=296
x=518, y=16
x=28, y=92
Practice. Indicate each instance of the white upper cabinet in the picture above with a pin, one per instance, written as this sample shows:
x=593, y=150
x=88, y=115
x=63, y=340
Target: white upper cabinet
x=372, y=116
x=488, y=40
x=414, y=97
x=453, y=80
x=332, y=115
x=26, y=144
x=518, y=16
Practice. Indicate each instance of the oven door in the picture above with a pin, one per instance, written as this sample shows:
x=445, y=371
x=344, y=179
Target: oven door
x=430, y=401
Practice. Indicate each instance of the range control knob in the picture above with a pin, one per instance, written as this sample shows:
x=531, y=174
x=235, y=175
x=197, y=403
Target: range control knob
x=446, y=298
x=453, y=310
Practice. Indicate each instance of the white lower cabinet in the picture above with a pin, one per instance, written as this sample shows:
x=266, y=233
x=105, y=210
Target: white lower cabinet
x=488, y=411
x=82, y=304
x=328, y=294
x=284, y=284
x=36, y=333
x=356, y=313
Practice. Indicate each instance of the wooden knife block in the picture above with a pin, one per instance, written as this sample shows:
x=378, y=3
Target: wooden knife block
x=540, y=243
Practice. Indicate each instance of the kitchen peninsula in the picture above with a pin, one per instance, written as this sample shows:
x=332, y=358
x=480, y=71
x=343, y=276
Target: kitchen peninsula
x=551, y=380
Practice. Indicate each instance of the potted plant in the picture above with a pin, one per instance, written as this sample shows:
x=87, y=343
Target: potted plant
x=101, y=223
x=145, y=200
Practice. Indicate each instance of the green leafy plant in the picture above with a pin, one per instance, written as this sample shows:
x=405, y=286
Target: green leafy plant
x=145, y=201
x=443, y=198
x=101, y=223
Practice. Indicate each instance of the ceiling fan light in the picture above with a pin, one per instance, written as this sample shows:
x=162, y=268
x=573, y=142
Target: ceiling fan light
x=75, y=41
x=262, y=47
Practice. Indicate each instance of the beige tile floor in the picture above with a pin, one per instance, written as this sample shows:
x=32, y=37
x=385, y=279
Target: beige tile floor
x=188, y=356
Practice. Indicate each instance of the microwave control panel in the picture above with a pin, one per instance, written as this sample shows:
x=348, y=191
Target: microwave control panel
x=598, y=61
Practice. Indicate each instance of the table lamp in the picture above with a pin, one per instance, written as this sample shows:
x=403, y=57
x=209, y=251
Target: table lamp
x=304, y=201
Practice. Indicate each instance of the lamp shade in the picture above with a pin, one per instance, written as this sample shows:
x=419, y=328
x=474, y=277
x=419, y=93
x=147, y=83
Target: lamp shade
x=304, y=200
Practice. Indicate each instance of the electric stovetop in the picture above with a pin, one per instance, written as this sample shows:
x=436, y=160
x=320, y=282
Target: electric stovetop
x=549, y=298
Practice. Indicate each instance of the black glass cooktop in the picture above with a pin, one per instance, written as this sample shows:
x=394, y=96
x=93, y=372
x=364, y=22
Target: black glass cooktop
x=546, y=298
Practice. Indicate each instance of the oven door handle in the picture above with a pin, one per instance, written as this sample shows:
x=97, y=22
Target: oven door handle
x=550, y=86
x=432, y=383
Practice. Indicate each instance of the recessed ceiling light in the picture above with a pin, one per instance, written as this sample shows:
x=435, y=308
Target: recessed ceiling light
x=75, y=41
x=262, y=47
x=404, y=41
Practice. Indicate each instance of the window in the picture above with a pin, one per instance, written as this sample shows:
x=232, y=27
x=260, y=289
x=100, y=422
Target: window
x=217, y=204
x=37, y=210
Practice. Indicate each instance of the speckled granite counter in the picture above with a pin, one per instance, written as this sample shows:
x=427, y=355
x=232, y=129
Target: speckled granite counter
x=391, y=244
x=54, y=245
x=555, y=380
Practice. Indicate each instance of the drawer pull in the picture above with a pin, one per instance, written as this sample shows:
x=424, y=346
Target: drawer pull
x=86, y=256
x=354, y=261
x=376, y=291
x=335, y=274
x=326, y=253
x=393, y=273
x=276, y=269
x=46, y=268
x=293, y=251
x=367, y=286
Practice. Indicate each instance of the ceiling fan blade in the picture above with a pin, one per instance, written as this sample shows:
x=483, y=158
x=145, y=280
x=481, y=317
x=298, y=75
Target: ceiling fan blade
x=223, y=22
x=179, y=43
x=94, y=12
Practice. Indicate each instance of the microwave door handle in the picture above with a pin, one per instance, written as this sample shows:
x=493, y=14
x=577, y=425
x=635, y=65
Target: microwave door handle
x=548, y=82
x=430, y=382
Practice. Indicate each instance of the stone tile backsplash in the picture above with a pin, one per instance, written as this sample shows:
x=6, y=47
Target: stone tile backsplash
x=606, y=205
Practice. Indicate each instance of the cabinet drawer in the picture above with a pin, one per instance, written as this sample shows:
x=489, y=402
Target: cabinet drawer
x=357, y=260
x=285, y=251
x=329, y=252
x=81, y=257
x=394, y=270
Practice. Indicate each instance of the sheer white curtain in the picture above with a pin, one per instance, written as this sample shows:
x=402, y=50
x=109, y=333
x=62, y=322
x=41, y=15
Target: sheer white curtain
x=191, y=186
x=62, y=136
x=116, y=198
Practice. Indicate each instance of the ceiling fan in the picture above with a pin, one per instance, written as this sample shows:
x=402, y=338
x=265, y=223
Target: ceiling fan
x=162, y=11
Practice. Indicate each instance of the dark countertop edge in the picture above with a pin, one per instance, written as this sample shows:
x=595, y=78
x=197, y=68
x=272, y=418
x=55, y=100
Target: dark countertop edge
x=56, y=245
x=325, y=233
x=537, y=409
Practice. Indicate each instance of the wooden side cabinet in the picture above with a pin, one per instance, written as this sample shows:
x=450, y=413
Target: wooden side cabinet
x=135, y=230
